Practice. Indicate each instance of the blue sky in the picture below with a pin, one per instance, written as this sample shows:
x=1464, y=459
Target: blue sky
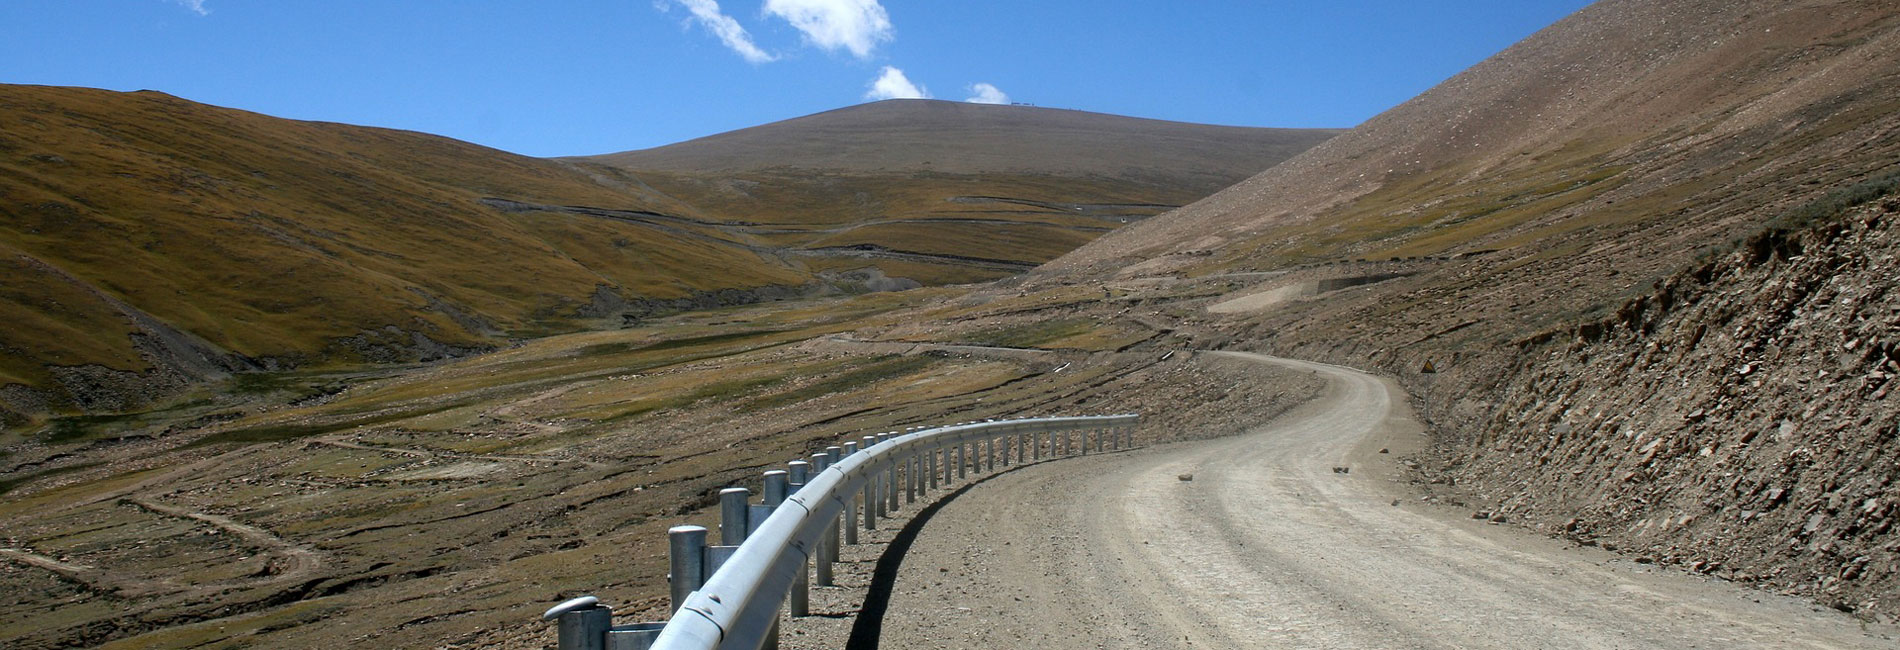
x=571, y=77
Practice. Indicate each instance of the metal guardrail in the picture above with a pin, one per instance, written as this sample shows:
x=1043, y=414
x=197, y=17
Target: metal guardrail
x=729, y=595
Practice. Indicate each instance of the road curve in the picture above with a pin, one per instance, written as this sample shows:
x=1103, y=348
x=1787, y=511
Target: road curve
x=1269, y=547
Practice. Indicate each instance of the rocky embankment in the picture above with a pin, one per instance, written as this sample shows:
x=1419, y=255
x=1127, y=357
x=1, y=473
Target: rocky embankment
x=1739, y=421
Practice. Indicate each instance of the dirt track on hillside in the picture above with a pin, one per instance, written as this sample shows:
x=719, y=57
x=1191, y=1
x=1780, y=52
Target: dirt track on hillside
x=1269, y=546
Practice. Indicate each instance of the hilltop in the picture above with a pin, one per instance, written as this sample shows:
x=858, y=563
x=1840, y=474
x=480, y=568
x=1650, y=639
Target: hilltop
x=925, y=186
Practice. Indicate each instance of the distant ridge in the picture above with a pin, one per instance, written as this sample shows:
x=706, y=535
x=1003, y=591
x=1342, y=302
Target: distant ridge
x=903, y=135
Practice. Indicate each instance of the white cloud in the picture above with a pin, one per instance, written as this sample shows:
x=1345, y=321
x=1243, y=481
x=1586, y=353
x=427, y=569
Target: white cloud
x=982, y=93
x=197, y=6
x=854, y=25
x=728, y=30
x=892, y=84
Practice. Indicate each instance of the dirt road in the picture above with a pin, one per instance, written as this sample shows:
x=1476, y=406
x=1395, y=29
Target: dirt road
x=1268, y=546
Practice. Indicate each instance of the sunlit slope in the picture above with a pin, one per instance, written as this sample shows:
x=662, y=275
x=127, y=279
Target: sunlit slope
x=128, y=218
x=1648, y=258
x=1628, y=117
x=1007, y=183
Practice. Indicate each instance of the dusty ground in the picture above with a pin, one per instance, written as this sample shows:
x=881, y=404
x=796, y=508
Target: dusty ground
x=446, y=505
x=1269, y=546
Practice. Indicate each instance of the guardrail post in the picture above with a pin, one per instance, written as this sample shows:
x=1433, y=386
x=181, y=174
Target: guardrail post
x=798, y=602
x=961, y=462
x=687, y=547
x=873, y=490
x=1022, y=447
x=777, y=487
x=930, y=462
x=581, y=623
x=911, y=479
x=889, y=495
x=798, y=475
x=891, y=477
x=989, y=452
x=734, y=518
x=850, y=524
x=870, y=502
x=890, y=488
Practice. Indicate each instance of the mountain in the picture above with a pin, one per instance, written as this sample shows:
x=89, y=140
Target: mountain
x=151, y=244
x=1648, y=254
x=943, y=181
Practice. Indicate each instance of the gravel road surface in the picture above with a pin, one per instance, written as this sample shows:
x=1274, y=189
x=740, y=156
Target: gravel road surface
x=1269, y=546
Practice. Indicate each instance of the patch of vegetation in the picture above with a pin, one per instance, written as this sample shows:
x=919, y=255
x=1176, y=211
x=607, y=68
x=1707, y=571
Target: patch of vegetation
x=261, y=383
x=283, y=432
x=75, y=428
x=695, y=341
x=7, y=485
x=883, y=369
x=1832, y=204
x=1035, y=334
x=724, y=389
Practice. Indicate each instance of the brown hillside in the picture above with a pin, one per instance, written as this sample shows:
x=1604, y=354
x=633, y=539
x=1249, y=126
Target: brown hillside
x=152, y=243
x=148, y=234
x=1574, y=233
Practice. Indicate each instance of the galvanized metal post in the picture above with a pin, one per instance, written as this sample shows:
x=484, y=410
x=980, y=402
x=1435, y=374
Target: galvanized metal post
x=777, y=486
x=827, y=553
x=581, y=623
x=733, y=516
x=989, y=453
x=891, y=476
x=873, y=494
x=851, y=503
x=911, y=479
x=961, y=463
x=869, y=496
x=798, y=602
x=930, y=462
x=890, y=488
x=799, y=474
x=1022, y=447
x=687, y=547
